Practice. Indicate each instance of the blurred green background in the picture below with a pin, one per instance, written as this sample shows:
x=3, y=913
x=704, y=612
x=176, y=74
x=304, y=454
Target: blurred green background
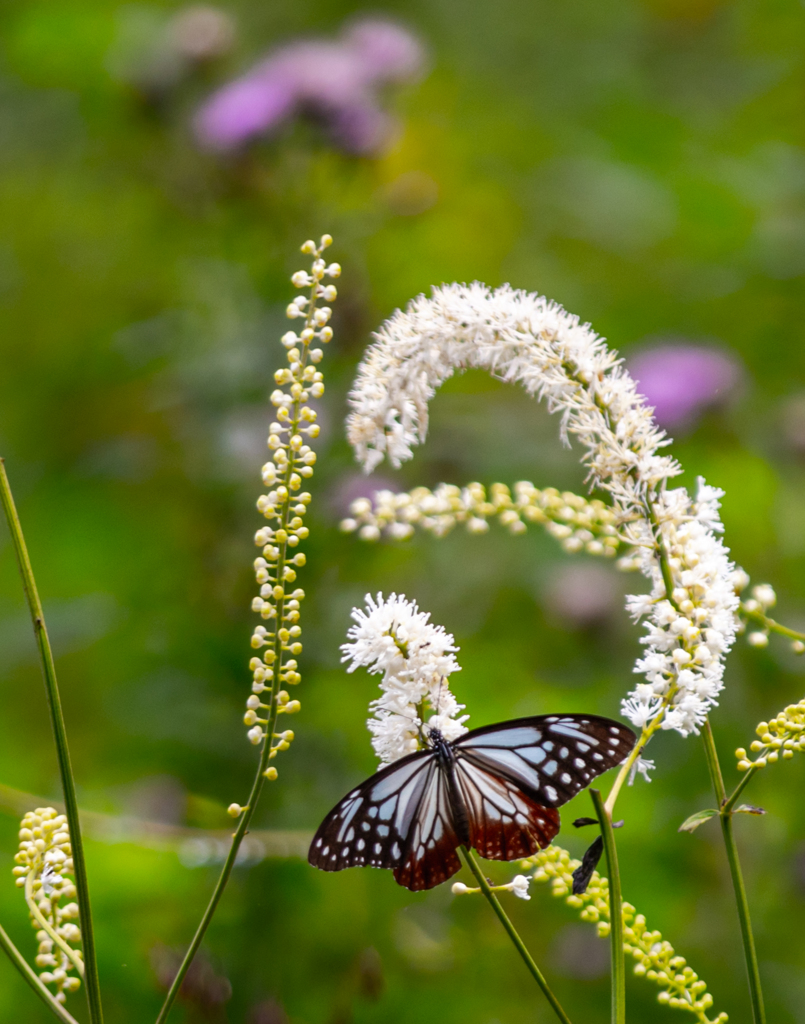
x=642, y=163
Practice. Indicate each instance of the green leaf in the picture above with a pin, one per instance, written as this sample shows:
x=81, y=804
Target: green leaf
x=692, y=823
x=749, y=809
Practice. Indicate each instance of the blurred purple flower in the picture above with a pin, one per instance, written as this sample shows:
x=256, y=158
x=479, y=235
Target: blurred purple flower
x=351, y=486
x=581, y=595
x=680, y=380
x=335, y=81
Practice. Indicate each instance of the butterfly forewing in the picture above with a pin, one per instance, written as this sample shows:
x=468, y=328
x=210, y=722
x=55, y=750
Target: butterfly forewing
x=372, y=824
x=549, y=757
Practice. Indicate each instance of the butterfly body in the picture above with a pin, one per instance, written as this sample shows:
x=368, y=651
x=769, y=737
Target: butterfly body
x=495, y=789
x=447, y=762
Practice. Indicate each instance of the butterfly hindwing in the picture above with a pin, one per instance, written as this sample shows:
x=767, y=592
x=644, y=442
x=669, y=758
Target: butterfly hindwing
x=371, y=825
x=550, y=758
x=505, y=822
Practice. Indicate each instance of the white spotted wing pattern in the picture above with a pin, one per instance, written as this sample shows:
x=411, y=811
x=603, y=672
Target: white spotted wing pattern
x=495, y=789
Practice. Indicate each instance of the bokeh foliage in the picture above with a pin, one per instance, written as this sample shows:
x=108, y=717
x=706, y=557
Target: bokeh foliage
x=642, y=162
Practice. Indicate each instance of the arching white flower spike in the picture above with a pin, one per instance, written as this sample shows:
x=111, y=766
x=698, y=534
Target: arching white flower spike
x=520, y=337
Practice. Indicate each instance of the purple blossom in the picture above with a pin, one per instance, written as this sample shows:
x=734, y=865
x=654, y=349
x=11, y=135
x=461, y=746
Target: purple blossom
x=680, y=380
x=582, y=595
x=335, y=81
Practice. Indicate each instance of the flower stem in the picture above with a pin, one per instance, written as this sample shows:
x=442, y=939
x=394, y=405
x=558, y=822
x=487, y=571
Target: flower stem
x=470, y=861
x=770, y=624
x=31, y=978
x=648, y=731
x=615, y=911
x=60, y=735
x=725, y=817
x=731, y=801
x=220, y=885
x=37, y=915
x=280, y=652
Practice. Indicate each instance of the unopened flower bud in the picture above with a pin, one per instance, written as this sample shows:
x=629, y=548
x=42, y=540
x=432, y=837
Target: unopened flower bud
x=758, y=639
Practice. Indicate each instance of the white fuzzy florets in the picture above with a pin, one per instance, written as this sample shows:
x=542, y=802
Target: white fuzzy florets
x=394, y=638
x=524, y=338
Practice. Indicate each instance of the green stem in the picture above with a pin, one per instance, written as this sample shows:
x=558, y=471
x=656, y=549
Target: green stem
x=31, y=978
x=71, y=954
x=280, y=651
x=748, y=775
x=637, y=751
x=60, y=735
x=725, y=817
x=770, y=624
x=615, y=911
x=220, y=885
x=470, y=861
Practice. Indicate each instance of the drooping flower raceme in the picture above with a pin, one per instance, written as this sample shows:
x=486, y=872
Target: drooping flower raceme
x=656, y=959
x=578, y=523
x=691, y=610
x=415, y=657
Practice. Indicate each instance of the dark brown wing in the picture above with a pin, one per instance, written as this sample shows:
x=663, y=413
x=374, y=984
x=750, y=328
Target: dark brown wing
x=505, y=822
x=514, y=775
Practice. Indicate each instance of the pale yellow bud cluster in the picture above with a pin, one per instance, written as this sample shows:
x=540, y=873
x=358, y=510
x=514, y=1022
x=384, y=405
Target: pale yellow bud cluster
x=656, y=960
x=578, y=523
x=779, y=738
x=285, y=506
x=44, y=862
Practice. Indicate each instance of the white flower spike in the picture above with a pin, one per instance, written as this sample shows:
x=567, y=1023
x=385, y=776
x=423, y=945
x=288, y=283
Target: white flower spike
x=395, y=638
x=520, y=337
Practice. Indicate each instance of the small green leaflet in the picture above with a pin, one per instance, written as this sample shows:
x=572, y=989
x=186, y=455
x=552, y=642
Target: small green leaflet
x=692, y=823
x=700, y=817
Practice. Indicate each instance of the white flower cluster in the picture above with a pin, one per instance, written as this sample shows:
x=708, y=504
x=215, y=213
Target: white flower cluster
x=519, y=337
x=395, y=638
x=688, y=634
x=524, y=338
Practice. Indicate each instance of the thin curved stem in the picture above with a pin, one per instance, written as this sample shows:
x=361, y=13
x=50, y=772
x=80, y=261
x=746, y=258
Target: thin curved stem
x=615, y=911
x=770, y=624
x=220, y=885
x=91, y=979
x=637, y=750
x=42, y=921
x=742, y=904
x=280, y=650
x=470, y=861
x=31, y=978
x=731, y=801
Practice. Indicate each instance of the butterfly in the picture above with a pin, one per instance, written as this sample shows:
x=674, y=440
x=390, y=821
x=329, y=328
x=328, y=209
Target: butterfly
x=495, y=789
